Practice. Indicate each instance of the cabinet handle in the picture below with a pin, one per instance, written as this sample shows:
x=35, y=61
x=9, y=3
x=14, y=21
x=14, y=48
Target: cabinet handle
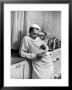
x=18, y=66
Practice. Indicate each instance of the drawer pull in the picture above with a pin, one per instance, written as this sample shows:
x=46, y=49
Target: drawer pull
x=18, y=66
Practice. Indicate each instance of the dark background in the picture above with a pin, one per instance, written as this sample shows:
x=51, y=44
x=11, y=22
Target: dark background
x=36, y=1
x=2, y=40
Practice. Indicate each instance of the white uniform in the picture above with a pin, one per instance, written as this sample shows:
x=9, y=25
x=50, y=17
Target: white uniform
x=43, y=68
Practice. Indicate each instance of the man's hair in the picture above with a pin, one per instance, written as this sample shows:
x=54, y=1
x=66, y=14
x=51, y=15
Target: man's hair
x=31, y=29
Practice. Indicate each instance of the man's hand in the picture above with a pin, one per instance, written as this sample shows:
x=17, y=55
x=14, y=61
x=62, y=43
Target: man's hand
x=43, y=47
x=40, y=55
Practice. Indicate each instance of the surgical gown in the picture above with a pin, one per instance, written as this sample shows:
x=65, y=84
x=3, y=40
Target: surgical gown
x=42, y=68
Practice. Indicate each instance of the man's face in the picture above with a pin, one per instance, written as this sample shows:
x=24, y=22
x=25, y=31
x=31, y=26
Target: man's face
x=34, y=34
x=41, y=37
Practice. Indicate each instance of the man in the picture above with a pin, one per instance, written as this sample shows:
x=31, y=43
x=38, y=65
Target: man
x=41, y=60
x=41, y=35
x=44, y=36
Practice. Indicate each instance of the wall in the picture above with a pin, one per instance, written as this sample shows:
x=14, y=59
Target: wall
x=34, y=17
x=49, y=21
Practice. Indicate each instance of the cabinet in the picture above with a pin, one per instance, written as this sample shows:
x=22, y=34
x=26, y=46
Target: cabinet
x=56, y=56
x=20, y=70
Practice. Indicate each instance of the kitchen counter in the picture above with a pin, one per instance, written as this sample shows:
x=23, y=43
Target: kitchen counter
x=20, y=67
x=15, y=58
x=56, y=57
x=56, y=54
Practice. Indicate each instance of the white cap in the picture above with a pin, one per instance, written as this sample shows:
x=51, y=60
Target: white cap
x=35, y=26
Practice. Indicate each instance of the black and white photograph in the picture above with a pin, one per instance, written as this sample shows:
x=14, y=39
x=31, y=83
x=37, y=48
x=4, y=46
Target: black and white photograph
x=35, y=43
x=35, y=38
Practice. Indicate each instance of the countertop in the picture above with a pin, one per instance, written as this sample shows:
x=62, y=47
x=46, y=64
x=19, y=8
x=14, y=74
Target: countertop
x=15, y=58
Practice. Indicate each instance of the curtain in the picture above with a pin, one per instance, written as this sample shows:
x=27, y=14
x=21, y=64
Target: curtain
x=18, y=28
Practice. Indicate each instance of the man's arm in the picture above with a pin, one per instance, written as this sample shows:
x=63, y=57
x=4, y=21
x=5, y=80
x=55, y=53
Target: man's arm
x=24, y=48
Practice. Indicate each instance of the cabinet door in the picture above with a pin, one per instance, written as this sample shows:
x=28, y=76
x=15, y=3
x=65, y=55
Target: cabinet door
x=17, y=71
x=27, y=71
x=21, y=70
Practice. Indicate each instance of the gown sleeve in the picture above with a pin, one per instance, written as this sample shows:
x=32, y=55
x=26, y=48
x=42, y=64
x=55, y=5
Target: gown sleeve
x=24, y=48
